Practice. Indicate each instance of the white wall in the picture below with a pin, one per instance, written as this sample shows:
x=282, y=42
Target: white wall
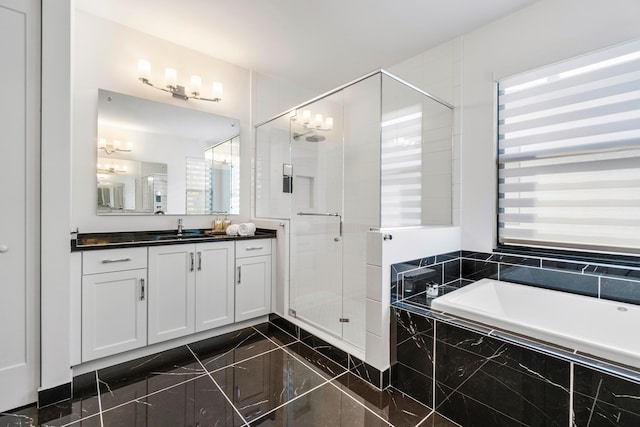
x=106, y=56
x=546, y=32
x=55, y=202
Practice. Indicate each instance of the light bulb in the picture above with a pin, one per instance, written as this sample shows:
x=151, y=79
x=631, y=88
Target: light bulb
x=196, y=84
x=144, y=69
x=170, y=77
x=217, y=90
x=329, y=123
x=306, y=116
x=318, y=120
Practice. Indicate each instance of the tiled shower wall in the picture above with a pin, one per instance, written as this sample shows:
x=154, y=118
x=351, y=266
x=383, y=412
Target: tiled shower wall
x=456, y=269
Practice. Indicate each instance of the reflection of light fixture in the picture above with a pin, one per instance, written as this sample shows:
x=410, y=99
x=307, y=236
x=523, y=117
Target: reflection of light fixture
x=317, y=123
x=113, y=146
x=111, y=168
x=171, y=85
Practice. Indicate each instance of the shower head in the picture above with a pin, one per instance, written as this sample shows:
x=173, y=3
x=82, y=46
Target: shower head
x=312, y=137
x=315, y=138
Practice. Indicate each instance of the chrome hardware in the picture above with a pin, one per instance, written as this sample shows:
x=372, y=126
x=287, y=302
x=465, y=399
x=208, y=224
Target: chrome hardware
x=337, y=215
x=192, y=261
x=239, y=274
x=199, y=261
x=344, y=320
x=254, y=248
x=180, y=228
x=141, y=289
x=293, y=313
x=109, y=261
x=387, y=237
x=4, y=248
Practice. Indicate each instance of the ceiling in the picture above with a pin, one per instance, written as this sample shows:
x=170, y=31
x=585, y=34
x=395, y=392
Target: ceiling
x=315, y=44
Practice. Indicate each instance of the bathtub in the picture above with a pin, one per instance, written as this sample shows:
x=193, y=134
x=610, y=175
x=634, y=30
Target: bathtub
x=605, y=329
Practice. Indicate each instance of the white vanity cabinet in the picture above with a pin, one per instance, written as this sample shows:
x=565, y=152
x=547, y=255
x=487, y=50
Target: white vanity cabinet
x=114, y=306
x=190, y=289
x=253, y=279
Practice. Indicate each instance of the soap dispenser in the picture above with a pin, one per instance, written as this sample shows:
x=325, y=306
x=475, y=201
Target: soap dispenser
x=432, y=290
x=217, y=224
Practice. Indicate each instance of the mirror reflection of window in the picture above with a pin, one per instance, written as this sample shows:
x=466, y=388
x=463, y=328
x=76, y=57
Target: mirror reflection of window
x=134, y=133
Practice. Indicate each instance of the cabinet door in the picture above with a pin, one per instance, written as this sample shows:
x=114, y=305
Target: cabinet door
x=214, y=285
x=253, y=287
x=114, y=313
x=171, y=292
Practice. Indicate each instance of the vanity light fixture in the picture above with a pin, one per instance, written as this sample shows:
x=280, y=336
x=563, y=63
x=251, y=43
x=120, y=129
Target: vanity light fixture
x=111, y=168
x=172, y=86
x=112, y=146
x=317, y=123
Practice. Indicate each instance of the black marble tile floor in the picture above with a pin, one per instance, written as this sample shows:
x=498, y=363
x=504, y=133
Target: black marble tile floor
x=259, y=376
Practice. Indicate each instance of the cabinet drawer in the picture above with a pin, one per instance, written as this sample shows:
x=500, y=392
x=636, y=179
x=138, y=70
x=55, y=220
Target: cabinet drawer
x=255, y=247
x=107, y=260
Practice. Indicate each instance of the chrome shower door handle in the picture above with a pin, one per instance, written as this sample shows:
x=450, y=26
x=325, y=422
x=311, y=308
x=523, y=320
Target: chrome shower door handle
x=337, y=215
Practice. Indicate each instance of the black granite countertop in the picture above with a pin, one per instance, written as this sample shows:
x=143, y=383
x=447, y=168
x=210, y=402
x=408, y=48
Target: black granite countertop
x=128, y=239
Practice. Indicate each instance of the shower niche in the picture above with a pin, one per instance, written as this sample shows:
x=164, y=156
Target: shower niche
x=370, y=155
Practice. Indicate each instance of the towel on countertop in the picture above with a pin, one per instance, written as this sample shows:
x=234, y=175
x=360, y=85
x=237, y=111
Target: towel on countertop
x=232, y=230
x=246, y=229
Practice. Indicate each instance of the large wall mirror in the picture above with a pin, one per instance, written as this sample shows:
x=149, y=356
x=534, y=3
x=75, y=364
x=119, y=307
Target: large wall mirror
x=156, y=159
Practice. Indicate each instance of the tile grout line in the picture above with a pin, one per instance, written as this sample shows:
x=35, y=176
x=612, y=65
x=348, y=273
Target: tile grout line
x=99, y=399
x=433, y=411
x=218, y=385
x=137, y=400
x=354, y=399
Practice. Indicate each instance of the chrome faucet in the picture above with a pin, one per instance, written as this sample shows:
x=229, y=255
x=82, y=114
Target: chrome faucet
x=179, y=227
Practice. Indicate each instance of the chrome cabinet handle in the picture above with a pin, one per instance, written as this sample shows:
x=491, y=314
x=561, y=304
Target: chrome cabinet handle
x=199, y=261
x=192, y=262
x=141, y=289
x=239, y=273
x=254, y=248
x=109, y=261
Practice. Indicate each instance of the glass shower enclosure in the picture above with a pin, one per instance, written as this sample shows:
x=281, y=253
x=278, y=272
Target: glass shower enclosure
x=375, y=153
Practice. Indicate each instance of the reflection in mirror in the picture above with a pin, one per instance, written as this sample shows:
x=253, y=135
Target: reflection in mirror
x=155, y=158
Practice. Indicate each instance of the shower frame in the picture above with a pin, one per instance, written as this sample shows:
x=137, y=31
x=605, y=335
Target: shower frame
x=289, y=312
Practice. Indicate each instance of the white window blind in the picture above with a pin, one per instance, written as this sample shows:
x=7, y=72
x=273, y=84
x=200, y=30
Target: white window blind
x=569, y=154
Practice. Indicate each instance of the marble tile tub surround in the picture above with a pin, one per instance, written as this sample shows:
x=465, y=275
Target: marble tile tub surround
x=476, y=379
x=257, y=376
x=455, y=269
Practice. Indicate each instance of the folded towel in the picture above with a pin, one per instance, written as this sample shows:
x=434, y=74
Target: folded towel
x=232, y=230
x=247, y=229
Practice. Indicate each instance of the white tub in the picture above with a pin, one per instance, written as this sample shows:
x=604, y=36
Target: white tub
x=606, y=329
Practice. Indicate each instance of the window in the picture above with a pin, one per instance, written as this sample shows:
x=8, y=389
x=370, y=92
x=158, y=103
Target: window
x=569, y=154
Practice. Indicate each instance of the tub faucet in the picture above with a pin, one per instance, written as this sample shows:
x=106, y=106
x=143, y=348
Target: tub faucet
x=179, y=227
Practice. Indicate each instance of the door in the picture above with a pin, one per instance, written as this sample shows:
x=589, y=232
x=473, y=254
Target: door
x=253, y=287
x=19, y=202
x=214, y=285
x=317, y=213
x=114, y=313
x=171, y=292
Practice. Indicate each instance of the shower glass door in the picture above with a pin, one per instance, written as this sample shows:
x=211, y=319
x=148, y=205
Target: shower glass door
x=316, y=236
